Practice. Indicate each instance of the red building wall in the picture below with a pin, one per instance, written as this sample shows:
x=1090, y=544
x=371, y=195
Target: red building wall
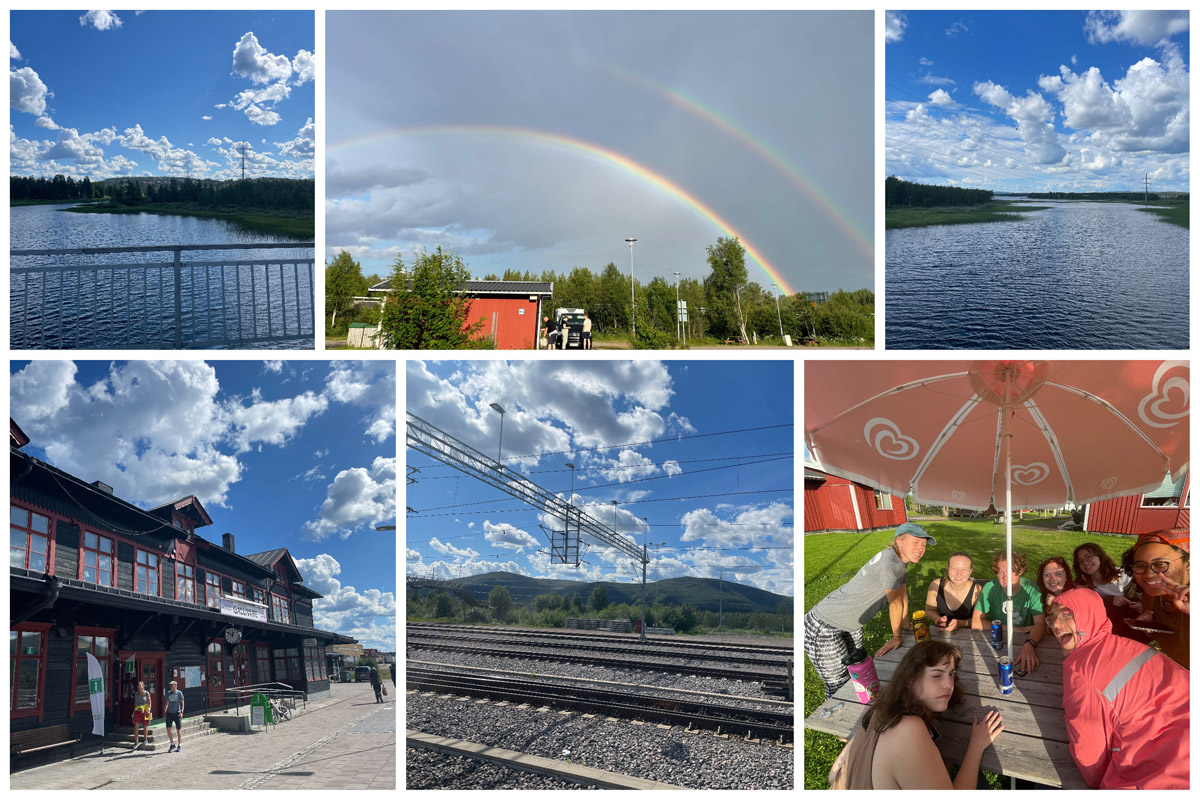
x=1126, y=515
x=516, y=320
x=830, y=506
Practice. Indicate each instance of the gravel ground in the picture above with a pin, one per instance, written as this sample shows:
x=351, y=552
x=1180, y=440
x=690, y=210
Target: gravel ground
x=633, y=646
x=693, y=760
x=748, y=689
x=744, y=639
x=426, y=769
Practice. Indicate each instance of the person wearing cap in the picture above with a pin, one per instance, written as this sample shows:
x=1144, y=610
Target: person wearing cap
x=834, y=626
x=1028, y=614
x=1126, y=704
x=174, y=716
x=1159, y=565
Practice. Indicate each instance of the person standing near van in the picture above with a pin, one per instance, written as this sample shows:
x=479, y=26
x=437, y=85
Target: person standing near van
x=587, y=332
x=174, y=716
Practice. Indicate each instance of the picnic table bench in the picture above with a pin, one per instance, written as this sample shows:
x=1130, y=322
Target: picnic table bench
x=1034, y=744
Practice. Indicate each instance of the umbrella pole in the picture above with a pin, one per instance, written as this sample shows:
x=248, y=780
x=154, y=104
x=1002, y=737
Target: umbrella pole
x=1008, y=564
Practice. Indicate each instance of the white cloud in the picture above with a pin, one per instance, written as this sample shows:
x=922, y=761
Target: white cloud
x=358, y=498
x=506, y=536
x=451, y=550
x=206, y=117
x=752, y=525
x=940, y=97
x=12, y=51
x=370, y=385
x=273, y=365
x=925, y=62
x=1034, y=117
x=27, y=93
x=272, y=94
x=253, y=61
x=630, y=465
x=100, y=20
x=305, y=67
x=273, y=421
x=304, y=145
x=672, y=468
x=956, y=28
x=46, y=122
x=369, y=616
x=1147, y=28
x=894, y=23
x=261, y=116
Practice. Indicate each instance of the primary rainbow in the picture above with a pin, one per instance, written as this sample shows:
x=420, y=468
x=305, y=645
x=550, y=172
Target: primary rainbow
x=861, y=238
x=593, y=151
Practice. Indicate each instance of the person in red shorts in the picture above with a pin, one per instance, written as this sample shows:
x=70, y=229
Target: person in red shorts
x=141, y=715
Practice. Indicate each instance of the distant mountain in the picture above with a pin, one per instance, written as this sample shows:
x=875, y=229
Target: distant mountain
x=705, y=594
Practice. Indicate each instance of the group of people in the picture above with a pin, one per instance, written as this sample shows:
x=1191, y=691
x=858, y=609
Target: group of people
x=1125, y=702
x=554, y=335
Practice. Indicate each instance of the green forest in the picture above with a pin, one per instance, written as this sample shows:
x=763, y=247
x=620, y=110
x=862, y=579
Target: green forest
x=899, y=192
x=429, y=313
x=552, y=610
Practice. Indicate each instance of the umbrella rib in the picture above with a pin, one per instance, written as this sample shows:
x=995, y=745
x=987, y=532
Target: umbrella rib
x=894, y=390
x=1052, y=439
x=942, y=437
x=1116, y=412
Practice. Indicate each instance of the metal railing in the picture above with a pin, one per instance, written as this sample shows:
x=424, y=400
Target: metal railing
x=163, y=305
x=277, y=693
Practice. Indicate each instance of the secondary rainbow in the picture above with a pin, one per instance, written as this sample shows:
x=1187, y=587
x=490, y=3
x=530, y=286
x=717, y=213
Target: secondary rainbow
x=593, y=151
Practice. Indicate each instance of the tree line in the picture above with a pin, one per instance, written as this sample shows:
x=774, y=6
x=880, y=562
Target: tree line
x=424, y=310
x=1137, y=196
x=899, y=192
x=262, y=193
x=22, y=187
x=552, y=611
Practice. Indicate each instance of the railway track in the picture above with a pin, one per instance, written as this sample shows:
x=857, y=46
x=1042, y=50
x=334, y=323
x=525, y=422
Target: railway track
x=774, y=723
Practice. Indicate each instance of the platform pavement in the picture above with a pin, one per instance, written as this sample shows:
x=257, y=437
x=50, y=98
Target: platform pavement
x=345, y=742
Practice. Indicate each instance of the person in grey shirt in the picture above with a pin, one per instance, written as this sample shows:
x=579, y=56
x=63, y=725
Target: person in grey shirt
x=834, y=626
x=174, y=716
x=141, y=715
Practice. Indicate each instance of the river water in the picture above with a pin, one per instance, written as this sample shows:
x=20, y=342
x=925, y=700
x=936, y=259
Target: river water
x=247, y=304
x=1078, y=275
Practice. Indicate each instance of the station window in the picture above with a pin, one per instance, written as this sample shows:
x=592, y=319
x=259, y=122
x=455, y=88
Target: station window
x=99, y=644
x=212, y=590
x=237, y=589
x=263, y=656
x=147, y=573
x=185, y=582
x=98, y=561
x=27, y=670
x=279, y=610
x=29, y=540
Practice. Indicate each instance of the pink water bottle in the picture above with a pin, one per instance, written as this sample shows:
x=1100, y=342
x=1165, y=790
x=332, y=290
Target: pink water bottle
x=862, y=674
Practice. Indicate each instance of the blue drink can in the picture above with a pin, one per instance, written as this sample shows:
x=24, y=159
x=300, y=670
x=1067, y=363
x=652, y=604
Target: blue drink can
x=997, y=635
x=1006, y=675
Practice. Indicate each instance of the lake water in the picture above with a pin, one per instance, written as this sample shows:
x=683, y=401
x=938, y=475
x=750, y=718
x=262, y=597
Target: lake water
x=247, y=304
x=1078, y=275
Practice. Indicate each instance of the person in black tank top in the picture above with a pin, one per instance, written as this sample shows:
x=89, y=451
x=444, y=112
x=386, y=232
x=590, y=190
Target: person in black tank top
x=949, y=610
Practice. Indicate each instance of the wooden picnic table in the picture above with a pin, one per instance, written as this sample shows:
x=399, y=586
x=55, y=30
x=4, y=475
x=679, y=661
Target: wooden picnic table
x=1033, y=745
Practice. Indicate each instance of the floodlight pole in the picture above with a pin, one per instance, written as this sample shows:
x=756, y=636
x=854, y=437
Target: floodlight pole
x=645, y=546
x=632, y=299
x=778, y=313
x=678, y=318
x=500, y=446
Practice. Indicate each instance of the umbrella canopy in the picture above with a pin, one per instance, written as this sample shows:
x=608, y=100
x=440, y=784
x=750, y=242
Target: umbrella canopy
x=1002, y=434
x=1078, y=431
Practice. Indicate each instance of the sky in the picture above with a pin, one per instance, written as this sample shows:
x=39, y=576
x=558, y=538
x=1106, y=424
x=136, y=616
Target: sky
x=1039, y=101
x=543, y=140
x=297, y=454
x=714, y=493
x=103, y=94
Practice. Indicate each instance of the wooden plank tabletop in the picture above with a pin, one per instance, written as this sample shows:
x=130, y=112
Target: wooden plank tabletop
x=1033, y=745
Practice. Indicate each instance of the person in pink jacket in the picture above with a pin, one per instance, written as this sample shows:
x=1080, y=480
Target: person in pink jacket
x=1126, y=703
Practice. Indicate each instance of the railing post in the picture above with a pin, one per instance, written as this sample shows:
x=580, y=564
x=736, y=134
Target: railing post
x=178, y=301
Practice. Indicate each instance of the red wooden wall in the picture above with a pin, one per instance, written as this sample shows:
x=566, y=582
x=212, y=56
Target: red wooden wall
x=1126, y=515
x=829, y=506
x=518, y=331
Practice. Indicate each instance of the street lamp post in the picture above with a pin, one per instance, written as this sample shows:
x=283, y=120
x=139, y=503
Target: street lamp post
x=645, y=559
x=678, y=319
x=632, y=299
x=570, y=501
x=500, y=446
x=777, y=311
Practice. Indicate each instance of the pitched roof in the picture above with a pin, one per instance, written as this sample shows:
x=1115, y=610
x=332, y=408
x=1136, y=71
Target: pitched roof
x=267, y=558
x=489, y=287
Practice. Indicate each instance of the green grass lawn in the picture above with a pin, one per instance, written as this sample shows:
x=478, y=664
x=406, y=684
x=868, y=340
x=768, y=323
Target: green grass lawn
x=832, y=559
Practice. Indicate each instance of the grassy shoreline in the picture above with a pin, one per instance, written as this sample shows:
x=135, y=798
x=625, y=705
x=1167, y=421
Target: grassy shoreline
x=924, y=217
x=257, y=220
x=15, y=203
x=1175, y=215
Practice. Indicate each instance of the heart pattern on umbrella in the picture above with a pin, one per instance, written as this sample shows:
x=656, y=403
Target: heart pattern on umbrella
x=885, y=438
x=1174, y=393
x=1029, y=474
x=958, y=495
x=1108, y=483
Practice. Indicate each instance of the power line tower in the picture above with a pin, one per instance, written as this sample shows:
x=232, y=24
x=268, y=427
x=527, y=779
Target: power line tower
x=242, y=150
x=1146, y=199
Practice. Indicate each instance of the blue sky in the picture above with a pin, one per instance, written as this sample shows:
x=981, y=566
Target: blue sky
x=297, y=454
x=1039, y=101
x=710, y=511
x=483, y=132
x=105, y=93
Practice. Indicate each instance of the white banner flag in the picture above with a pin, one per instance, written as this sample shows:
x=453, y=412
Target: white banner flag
x=96, y=691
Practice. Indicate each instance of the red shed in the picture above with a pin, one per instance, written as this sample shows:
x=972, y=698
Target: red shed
x=510, y=310
x=836, y=504
x=1166, y=508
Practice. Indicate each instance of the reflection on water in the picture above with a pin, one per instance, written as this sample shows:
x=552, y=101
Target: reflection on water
x=227, y=296
x=1076, y=276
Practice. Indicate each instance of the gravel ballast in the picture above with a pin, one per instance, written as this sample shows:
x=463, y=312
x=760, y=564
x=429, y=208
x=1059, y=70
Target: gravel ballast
x=426, y=769
x=694, y=760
